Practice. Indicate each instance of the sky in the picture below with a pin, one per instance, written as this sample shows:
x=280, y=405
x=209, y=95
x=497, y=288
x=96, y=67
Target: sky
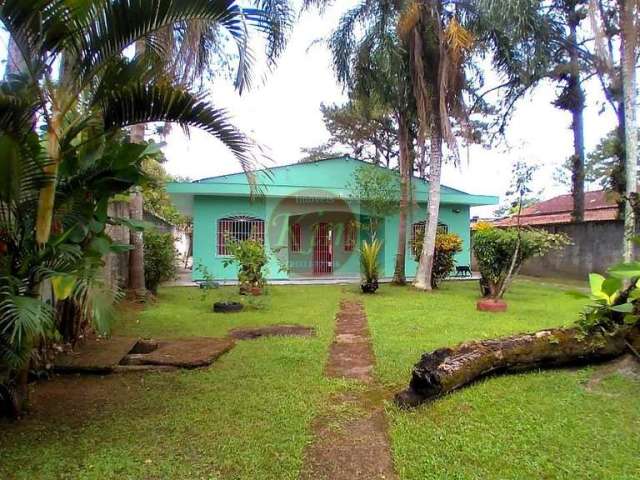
x=283, y=115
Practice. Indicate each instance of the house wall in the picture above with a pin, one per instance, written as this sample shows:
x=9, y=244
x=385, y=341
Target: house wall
x=456, y=217
x=277, y=214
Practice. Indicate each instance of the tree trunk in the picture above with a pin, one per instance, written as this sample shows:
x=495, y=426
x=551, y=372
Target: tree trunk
x=629, y=42
x=406, y=169
x=136, y=213
x=576, y=95
x=47, y=196
x=425, y=267
x=447, y=369
x=136, y=255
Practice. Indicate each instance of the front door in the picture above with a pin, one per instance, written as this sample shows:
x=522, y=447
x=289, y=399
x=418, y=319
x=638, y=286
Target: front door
x=323, y=249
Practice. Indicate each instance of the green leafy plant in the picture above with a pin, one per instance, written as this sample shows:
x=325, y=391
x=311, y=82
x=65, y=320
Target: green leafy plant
x=378, y=191
x=251, y=259
x=614, y=299
x=208, y=282
x=501, y=252
x=370, y=264
x=447, y=246
x=160, y=259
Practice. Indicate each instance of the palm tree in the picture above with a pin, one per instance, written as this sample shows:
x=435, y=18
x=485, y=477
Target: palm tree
x=568, y=71
x=629, y=13
x=98, y=93
x=193, y=52
x=616, y=27
x=441, y=36
x=371, y=63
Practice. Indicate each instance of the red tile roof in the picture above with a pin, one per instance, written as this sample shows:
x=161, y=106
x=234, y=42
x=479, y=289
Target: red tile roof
x=599, y=206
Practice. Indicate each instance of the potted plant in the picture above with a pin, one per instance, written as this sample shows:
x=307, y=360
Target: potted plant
x=370, y=265
x=251, y=258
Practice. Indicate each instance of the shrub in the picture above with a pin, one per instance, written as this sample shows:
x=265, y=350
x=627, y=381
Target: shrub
x=447, y=245
x=495, y=248
x=251, y=258
x=160, y=259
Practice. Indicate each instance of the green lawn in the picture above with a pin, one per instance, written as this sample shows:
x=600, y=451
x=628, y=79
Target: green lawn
x=542, y=425
x=249, y=415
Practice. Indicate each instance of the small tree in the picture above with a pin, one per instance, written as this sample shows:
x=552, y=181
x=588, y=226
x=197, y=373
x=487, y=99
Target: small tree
x=159, y=259
x=251, y=258
x=502, y=252
x=377, y=189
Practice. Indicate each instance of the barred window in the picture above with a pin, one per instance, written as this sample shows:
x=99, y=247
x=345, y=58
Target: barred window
x=238, y=229
x=349, y=237
x=296, y=237
x=417, y=233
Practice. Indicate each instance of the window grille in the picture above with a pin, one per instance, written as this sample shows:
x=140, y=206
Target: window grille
x=418, y=231
x=296, y=237
x=238, y=229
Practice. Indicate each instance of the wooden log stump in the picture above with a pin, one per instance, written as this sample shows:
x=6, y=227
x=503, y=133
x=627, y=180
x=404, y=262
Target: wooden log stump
x=447, y=369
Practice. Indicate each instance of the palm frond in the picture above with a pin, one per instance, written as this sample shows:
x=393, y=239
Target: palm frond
x=112, y=26
x=163, y=103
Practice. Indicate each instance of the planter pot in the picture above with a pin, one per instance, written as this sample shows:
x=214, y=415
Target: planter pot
x=227, y=307
x=494, y=305
x=369, y=287
x=255, y=291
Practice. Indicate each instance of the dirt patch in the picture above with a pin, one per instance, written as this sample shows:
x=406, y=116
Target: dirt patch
x=627, y=366
x=351, y=355
x=353, y=446
x=356, y=449
x=272, y=331
x=182, y=353
x=72, y=399
x=95, y=355
x=101, y=356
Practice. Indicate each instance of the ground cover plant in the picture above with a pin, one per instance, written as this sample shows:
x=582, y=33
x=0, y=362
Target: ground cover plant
x=249, y=416
x=549, y=424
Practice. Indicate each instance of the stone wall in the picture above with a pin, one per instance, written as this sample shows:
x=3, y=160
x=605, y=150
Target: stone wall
x=117, y=264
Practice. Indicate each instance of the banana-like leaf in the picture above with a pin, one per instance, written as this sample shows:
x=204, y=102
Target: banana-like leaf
x=623, y=308
x=595, y=283
x=611, y=286
x=63, y=286
x=626, y=270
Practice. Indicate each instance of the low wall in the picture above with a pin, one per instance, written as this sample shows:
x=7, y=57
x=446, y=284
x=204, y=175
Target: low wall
x=596, y=246
x=117, y=264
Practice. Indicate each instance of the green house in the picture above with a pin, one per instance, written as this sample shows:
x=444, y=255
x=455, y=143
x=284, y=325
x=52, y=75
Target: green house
x=309, y=223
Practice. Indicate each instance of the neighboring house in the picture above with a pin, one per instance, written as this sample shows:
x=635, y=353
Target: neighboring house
x=307, y=220
x=159, y=223
x=596, y=242
x=599, y=206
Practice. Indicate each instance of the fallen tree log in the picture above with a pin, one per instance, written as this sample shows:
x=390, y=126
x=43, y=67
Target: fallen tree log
x=447, y=369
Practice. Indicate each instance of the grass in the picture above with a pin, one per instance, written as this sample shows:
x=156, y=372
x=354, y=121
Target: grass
x=246, y=417
x=249, y=415
x=543, y=425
